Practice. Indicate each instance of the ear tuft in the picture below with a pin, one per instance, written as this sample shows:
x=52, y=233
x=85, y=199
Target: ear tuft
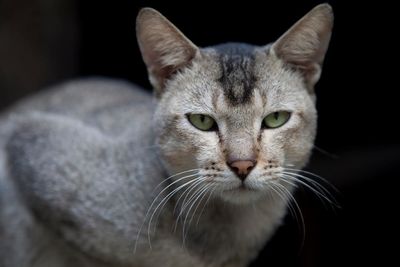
x=304, y=45
x=164, y=48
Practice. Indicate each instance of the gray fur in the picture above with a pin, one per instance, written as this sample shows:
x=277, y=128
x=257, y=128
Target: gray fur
x=84, y=165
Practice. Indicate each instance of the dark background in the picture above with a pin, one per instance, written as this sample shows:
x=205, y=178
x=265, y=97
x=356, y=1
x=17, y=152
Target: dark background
x=43, y=42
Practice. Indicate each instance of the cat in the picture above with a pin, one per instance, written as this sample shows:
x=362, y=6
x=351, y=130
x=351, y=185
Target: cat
x=97, y=172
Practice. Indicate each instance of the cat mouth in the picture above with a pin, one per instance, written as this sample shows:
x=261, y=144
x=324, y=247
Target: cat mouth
x=241, y=194
x=242, y=188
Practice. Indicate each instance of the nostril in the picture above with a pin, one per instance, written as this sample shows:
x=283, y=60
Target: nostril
x=235, y=169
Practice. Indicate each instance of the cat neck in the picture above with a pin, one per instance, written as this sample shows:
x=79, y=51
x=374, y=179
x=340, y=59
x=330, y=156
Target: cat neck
x=217, y=224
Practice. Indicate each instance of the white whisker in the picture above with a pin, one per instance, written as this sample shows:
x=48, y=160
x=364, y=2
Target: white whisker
x=319, y=190
x=205, y=204
x=184, y=203
x=301, y=224
x=198, y=193
x=199, y=201
x=164, y=202
x=285, y=197
x=326, y=153
x=153, y=203
x=175, y=175
x=314, y=175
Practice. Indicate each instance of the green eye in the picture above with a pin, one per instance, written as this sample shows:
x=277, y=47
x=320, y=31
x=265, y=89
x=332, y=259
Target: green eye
x=276, y=119
x=202, y=122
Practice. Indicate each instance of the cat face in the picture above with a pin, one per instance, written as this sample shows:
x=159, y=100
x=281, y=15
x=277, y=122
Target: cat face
x=239, y=132
x=231, y=117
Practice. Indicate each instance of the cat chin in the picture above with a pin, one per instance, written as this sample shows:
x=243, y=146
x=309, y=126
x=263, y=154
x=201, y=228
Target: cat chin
x=241, y=196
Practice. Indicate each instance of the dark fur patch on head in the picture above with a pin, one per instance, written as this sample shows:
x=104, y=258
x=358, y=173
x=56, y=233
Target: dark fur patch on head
x=237, y=76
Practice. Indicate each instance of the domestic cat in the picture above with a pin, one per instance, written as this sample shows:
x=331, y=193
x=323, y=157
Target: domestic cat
x=97, y=172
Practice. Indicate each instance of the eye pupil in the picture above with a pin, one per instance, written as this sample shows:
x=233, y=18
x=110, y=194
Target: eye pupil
x=276, y=115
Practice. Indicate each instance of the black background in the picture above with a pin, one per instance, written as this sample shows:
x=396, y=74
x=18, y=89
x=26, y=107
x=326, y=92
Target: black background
x=357, y=137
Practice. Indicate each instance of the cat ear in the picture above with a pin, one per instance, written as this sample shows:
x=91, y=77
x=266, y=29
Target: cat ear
x=304, y=45
x=164, y=48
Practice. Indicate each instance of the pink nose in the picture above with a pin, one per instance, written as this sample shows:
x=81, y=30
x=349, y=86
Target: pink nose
x=242, y=167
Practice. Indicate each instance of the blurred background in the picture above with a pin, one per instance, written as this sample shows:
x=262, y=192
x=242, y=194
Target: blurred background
x=44, y=42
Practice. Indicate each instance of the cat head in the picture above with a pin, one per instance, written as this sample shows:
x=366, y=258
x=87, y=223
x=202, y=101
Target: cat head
x=235, y=114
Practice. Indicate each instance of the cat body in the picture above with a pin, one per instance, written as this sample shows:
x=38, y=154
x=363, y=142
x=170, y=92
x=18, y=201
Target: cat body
x=117, y=203
x=97, y=172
